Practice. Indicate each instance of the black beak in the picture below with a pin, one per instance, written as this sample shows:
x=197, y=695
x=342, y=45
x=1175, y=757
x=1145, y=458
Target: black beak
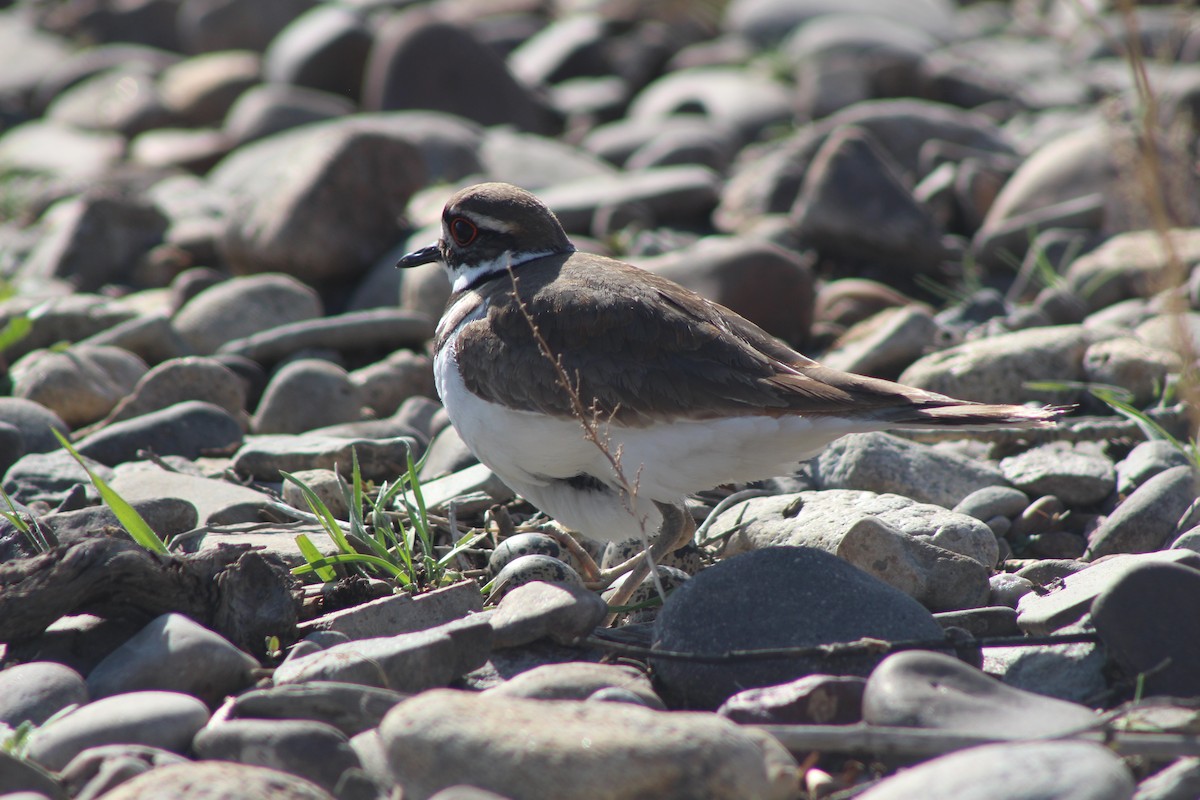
x=426, y=255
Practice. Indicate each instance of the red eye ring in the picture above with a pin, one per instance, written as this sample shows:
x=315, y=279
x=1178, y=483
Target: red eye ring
x=463, y=231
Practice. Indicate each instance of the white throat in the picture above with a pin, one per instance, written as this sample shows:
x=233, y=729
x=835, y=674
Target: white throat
x=464, y=275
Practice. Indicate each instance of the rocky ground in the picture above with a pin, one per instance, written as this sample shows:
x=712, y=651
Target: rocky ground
x=201, y=202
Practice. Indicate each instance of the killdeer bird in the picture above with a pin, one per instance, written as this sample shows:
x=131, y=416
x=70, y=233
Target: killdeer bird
x=604, y=394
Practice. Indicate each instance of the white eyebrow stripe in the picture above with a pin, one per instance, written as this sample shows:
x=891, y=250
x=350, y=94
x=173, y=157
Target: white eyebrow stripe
x=491, y=223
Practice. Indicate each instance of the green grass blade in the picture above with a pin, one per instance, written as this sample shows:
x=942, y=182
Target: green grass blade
x=126, y=514
x=467, y=540
x=355, y=558
x=314, y=558
x=328, y=521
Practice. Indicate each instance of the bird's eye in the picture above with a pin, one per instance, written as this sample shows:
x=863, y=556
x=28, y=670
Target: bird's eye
x=463, y=231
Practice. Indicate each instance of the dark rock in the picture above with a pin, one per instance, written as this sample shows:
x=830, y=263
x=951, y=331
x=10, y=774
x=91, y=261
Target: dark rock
x=892, y=229
x=325, y=48
x=162, y=719
x=174, y=654
x=1137, y=618
x=348, y=707
x=36, y=691
x=723, y=609
x=190, y=429
x=312, y=750
x=92, y=241
x=420, y=62
x=306, y=394
x=811, y=700
x=220, y=780
x=921, y=689
x=212, y=25
x=1149, y=518
x=273, y=108
x=1014, y=770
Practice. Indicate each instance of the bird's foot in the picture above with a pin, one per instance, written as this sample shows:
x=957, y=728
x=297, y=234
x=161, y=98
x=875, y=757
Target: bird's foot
x=676, y=531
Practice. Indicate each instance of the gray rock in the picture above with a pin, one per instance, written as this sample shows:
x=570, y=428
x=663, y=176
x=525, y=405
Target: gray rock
x=98, y=770
x=1132, y=365
x=532, y=611
x=34, y=422
x=682, y=195
x=218, y=780
x=160, y=719
x=882, y=463
x=93, y=241
x=400, y=613
x=37, y=690
x=1145, y=461
x=173, y=653
x=1128, y=265
x=271, y=108
x=19, y=776
x=179, y=380
x=811, y=700
x=1013, y=771
x=311, y=750
x=306, y=394
x=898, y=233
x=262, y=457
x=48, y=476
x=1178, y=781
x=1149, y=518
x=443, y=738
x=80, y=385
x=1137, y=618
x=190, y=429
x=1008, y=589
x=150, y=337
x=982, y=622
x=409, y=662
x=72, y=318
x=61, y=150
x=1079, y=476
x=993, y=501
x=201, y=89
x=884, y=344
x=529, y=160
x=124, y=99
x=1041, y=614
x=217, y=502
x=166, y=516
x=385, y=385
x=724, y=608
x=348, y=707
x=377, y=330
x=325, y=484
x=240, y=307
x=939, y=579
x=1074, y=672
x=416, y=56
x=728, y=96
x=822, y=519
x=578, y=681
x=922, y=689
x=995, y=369
x=325, y=48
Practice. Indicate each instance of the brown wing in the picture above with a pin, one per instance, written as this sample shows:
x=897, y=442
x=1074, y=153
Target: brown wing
x=649, y=350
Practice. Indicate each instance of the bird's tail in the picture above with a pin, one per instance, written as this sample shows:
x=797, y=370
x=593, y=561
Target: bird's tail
x=979, y=415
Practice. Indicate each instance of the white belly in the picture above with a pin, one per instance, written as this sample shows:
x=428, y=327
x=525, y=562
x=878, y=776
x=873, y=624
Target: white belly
x=533, y=454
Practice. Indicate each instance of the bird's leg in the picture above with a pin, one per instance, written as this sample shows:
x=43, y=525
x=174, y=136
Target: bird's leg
x=587, y=565
x=676, y=531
